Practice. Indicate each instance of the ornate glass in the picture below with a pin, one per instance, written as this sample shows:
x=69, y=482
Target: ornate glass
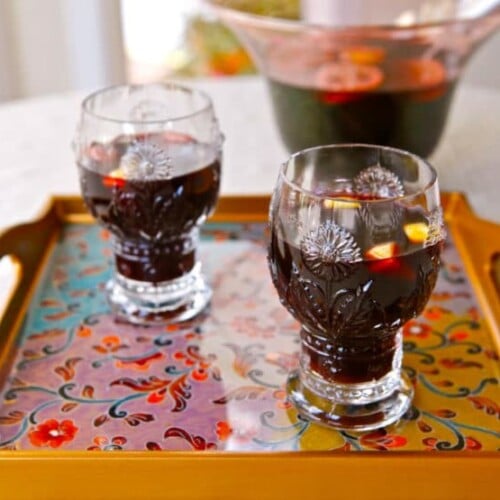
x=356, y=236
x=149, y=159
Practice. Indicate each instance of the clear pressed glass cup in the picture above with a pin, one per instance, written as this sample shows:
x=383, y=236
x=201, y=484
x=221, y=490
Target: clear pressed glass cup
x=356, y=235
x=149, y=160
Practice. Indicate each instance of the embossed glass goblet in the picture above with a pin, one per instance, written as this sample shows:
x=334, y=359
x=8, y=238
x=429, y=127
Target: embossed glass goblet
x=356, y=234
x=149, y=164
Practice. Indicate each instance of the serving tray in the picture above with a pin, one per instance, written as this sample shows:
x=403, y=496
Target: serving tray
x=94, y=408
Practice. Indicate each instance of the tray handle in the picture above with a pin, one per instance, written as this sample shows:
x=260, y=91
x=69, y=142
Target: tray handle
x=26, y=244
x=478, y=242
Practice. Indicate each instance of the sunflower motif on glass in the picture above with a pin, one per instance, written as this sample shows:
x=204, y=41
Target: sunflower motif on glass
x=329, y=250
x=378, y=182
x=146, y=160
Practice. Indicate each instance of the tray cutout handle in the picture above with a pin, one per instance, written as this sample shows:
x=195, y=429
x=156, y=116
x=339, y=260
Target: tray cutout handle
x=25, y=245
x=10, y=276
x=478, y=242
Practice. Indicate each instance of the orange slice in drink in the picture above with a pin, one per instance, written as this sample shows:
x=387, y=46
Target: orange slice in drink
x=116, y=178
x=382, y=251
x=416, y=232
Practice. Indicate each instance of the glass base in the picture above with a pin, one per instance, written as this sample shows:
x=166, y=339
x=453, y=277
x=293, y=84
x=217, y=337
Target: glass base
x=143, y=303
x=362, y=416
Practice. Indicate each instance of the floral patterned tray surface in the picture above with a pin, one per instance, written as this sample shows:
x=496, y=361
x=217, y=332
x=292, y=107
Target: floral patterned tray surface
x=82, y=381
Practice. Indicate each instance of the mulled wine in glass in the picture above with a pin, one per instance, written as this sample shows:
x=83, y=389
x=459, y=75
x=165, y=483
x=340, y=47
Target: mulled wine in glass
x=149, y=159
x=356, y=234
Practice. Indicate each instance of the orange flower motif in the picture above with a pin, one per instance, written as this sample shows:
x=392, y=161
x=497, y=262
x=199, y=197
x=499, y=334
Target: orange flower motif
x=459, y=335
x=282, y=402
x=104, y=443
x=156, y=396
x=109, y=343
x=200, y=374
x=53, y=433
x=142, y=364
x=84, y=331
x=223, y=430
x=416, y=329
x=434, y=313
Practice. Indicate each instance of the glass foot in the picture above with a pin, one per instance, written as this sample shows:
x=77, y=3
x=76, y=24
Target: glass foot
x=149, y=304
x=348, y=416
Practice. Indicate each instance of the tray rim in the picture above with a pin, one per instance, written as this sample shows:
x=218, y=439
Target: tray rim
x=398, y=467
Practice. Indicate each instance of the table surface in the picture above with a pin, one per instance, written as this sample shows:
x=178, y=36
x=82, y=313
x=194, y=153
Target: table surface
x=37, y=161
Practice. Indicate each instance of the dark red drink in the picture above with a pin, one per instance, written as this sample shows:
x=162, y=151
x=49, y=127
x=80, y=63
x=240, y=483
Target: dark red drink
x=397, y=100
x=407, y=119
x=350, y=316
x=151, y=217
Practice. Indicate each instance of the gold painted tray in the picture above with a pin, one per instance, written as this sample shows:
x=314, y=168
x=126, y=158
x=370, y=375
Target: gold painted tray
x=198, y=410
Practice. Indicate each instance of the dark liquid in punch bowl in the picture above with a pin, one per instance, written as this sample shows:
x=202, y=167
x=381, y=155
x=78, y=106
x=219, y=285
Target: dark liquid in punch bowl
x=152, y=217
x=354, y=317
x=402, y=103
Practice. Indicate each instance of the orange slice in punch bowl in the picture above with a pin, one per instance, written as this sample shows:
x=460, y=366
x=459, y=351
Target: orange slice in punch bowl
x=427, y=77
x=340, y=82
x=363, y=54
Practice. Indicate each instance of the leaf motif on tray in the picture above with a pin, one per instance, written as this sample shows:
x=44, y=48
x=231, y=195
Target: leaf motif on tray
x=246, y=393
x=141, y=384
x=180, y=391
x=67, y=372
x=47, y=334
x=453, y=363
x=67, y=407
x=101, y=419
x=197, y=442
x=136, y=418
x=51, y=303
x=92, y=270
x=486, y=404
x=58, y=316
x=88, y=392
x=13, y=417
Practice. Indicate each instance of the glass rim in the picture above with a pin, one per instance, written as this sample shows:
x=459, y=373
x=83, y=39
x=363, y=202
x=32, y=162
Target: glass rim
x=419, y=160
x=281, y=23
x=207, y=104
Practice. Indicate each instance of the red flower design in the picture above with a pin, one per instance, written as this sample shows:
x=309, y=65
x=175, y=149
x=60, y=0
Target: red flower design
x=109, y=344
x=472, y=444
x=103, y=443
x=458, y=336
x=380, y=440
x=434, y=313
x=53, y=433
x=416, y=329
x=223, y=430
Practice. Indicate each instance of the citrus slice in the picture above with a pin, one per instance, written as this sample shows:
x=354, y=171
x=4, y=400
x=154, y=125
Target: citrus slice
x=340, y=204
x=418, y=74
x=383, y=251
x=416, y=232
x=116, y=178
x=363, y=54
x=347, y=77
